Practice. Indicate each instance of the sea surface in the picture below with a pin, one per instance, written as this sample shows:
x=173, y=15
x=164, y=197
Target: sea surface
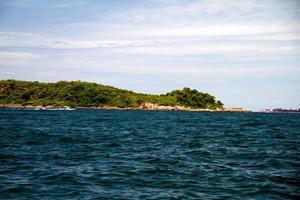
x=108, y=154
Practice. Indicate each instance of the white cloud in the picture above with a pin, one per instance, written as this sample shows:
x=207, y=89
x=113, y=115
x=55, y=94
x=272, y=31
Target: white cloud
x=173, y=27
x=8, y=58
x=236, y=46
x=24, y=56
x=215, y=71
x=11, y=39
x=161, y=44
x=4, y=72
x=220, y=30
x=212, y=48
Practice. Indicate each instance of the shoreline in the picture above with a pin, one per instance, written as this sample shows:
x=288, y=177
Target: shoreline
x=153, y=108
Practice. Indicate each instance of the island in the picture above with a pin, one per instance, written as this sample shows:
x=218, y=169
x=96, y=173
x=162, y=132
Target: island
x=69, y=95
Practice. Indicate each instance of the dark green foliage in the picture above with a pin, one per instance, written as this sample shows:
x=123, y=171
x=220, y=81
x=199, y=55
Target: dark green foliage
x=84, y=94
x=195, y=99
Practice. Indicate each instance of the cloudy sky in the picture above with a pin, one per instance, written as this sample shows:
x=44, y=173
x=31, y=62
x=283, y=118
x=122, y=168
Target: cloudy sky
x=246, y=53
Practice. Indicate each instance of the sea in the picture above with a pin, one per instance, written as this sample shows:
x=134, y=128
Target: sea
x=119, y=154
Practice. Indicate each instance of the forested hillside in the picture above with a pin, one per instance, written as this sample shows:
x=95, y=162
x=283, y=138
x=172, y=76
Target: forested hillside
x=85, y=94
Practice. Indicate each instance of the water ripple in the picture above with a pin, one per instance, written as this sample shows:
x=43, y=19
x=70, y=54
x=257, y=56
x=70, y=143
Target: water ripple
x=148, y=155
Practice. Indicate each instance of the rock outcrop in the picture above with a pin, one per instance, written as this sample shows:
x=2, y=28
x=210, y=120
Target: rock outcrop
x=152, y=106
x=235, y=110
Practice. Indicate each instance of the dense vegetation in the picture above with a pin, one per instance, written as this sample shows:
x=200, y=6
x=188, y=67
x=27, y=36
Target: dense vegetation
x=194, y=99
x=84, y=94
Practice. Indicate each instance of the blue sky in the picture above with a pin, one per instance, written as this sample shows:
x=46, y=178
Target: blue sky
x=246, y=53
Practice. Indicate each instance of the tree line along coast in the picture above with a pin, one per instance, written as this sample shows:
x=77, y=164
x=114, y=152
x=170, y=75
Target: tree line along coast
x=86, y=95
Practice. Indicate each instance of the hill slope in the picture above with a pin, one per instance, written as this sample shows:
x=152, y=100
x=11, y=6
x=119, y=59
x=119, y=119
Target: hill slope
x=85, y=94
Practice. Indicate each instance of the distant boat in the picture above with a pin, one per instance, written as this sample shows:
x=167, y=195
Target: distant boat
x=68, y=108
x=53, y=108
x=39, y=108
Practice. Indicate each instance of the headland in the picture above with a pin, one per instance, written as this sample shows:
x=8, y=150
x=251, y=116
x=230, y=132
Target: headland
x=64, y=95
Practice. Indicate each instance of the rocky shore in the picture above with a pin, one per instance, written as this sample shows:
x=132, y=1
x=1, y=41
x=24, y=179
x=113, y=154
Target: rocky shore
x=144, y=106
x=235, y=110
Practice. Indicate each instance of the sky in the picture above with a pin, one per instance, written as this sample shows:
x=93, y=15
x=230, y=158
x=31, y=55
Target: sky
x=245, y=53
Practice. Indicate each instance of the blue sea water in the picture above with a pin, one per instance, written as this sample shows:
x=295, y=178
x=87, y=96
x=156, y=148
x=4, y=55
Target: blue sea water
x=107, y=154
